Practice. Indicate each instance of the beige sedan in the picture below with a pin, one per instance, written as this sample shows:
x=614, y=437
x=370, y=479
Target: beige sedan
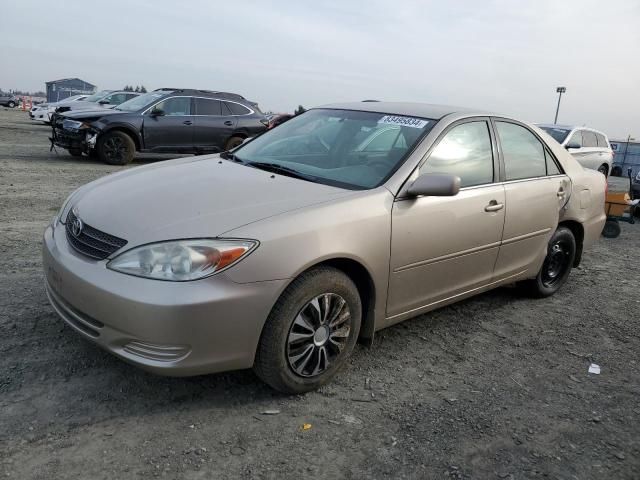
x=344, y=220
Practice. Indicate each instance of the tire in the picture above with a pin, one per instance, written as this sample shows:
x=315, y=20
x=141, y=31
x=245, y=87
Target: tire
x=116, y=148
x=75, y=152
x=233, y=142
x=611, y=229
x=556, y=268
x=295, y=326
x=93, y=153
x=11, y=104
x=616, y=171
x=604, y=169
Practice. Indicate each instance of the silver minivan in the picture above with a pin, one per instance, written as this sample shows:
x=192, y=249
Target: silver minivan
x=589, y=147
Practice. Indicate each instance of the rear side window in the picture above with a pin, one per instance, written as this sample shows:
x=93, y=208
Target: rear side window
x=602, y=140
x=237, y=109
x=589, y=139
x=205, y=106
x=524, y=155
x=464, y=151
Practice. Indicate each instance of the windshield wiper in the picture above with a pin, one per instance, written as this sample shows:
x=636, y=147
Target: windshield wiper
x=282, y=170
x=231, y=156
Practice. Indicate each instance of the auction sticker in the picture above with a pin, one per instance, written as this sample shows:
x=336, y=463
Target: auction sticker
x=404, y=121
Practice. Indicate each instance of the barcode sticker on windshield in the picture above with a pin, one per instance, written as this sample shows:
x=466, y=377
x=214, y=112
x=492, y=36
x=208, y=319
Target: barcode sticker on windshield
x=403, y=121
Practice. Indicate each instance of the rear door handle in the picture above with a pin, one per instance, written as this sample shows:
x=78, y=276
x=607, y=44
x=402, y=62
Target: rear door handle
x=228, y=123
x=494, y=206
x=188, y=122
x=561, y=193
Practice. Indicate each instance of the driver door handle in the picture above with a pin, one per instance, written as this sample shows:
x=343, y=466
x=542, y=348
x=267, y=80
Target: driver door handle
x=494, y=206
x=228, y=123
x=188, y=122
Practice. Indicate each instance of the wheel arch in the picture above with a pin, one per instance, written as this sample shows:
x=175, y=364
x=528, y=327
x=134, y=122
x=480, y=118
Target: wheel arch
x=135, y=136
x=578, y=233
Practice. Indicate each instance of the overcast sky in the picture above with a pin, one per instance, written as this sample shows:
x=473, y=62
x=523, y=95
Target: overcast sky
x=501, y=55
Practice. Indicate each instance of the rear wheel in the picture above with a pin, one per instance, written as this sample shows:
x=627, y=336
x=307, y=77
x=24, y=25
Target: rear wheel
x=233, y=142
x=616, y=171
x=557, y=265
x=116, y=148
x=75, y=152
x=310, y=332
x=603, y=169
x=611, y=229
x=11, y=104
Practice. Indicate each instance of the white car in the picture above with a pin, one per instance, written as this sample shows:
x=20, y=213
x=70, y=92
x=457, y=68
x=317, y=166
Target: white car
x=589, y=147
x=42, y=112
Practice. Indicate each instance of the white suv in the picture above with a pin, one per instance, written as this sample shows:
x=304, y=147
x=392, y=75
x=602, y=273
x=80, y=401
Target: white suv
x=588, y=146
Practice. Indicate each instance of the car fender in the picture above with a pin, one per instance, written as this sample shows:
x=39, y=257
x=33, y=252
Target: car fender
x=128, y=128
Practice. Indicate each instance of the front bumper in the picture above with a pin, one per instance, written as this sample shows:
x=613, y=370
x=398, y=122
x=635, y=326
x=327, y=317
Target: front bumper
x=169, y=328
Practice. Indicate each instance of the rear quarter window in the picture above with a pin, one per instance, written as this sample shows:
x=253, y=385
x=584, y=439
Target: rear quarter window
x=237, y=109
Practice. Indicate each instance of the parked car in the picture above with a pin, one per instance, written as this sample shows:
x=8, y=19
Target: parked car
x=278, y=119
x=99, y=100
x=281, y=254
x=8, y=100
x=42, y=112
x=590, y=147
x=165, y=120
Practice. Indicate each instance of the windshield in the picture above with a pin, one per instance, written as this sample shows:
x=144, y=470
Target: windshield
x=97, y=96
x=559, y=134
x=142, y=101
x=345, y=148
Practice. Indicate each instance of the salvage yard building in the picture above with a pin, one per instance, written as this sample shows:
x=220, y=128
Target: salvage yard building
x=60, y=89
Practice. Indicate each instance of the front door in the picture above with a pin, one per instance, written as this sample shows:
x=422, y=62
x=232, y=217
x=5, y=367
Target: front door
x=536, y=190
x=445, y=246
x=170, y=128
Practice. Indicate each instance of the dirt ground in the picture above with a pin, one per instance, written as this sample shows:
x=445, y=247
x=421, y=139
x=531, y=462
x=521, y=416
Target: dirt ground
x=494, y=387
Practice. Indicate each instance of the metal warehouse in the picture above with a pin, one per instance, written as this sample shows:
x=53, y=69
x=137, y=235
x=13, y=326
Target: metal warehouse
x=60, y=89
x=627, y=155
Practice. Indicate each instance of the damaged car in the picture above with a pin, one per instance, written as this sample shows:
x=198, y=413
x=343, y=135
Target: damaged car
x=162, y=121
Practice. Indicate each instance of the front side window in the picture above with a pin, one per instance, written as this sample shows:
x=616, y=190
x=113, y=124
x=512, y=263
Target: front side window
x=175, y=106
x=205, y=106
x=337, y=147
x=116, y=98
x=464, y=151
x=576, y=139
x=589, y=139
x=97, y=96
x=524, y=155
x=140, y=102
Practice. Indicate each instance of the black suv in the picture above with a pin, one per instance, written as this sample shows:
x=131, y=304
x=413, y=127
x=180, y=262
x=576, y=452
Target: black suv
x=168, y=120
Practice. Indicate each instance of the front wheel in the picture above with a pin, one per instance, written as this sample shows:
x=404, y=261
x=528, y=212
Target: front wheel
x=561, y=252
x=116, y=148
x=12, y=104
x=310, y=332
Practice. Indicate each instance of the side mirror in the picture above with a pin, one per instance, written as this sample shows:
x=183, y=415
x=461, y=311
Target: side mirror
x=572, y=145
x=104, y=102
x=157, y=112
x=435, y=185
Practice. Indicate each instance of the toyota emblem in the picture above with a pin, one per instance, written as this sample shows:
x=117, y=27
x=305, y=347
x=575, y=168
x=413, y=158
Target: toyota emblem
x=76, y=227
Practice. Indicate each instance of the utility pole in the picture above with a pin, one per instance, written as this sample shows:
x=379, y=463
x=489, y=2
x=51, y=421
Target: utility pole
x=560, y=91
x=624, y=158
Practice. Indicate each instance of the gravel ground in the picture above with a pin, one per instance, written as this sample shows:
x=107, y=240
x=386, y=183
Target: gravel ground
x=493, y=387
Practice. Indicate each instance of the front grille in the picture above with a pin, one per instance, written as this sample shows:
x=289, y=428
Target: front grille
x=91, y=241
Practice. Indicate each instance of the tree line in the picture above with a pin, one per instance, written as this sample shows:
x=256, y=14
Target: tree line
x=137, y=89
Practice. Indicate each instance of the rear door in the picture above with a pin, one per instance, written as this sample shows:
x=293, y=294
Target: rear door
x=535, y=191
x=590, y=151
x=172, y=130
x=211, y=127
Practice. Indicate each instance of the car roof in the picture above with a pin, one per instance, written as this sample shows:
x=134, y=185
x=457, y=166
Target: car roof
x=568, y=127
x=412, y=109
x=203, y=93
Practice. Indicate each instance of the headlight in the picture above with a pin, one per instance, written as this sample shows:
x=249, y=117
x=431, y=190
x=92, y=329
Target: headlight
x=74, y=125
x=182, y=260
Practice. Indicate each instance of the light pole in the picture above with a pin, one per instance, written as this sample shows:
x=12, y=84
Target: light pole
x=560, y=91
x=629, y=140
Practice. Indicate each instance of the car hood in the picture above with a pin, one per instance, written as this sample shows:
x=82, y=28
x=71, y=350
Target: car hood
x=84, y=114
x=191, y=198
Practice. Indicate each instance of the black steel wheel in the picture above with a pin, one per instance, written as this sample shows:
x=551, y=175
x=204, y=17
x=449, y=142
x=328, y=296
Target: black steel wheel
x=611, y=229
x=557, y=265
x=116, y=148
x=310, y=332
x=11, y=104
